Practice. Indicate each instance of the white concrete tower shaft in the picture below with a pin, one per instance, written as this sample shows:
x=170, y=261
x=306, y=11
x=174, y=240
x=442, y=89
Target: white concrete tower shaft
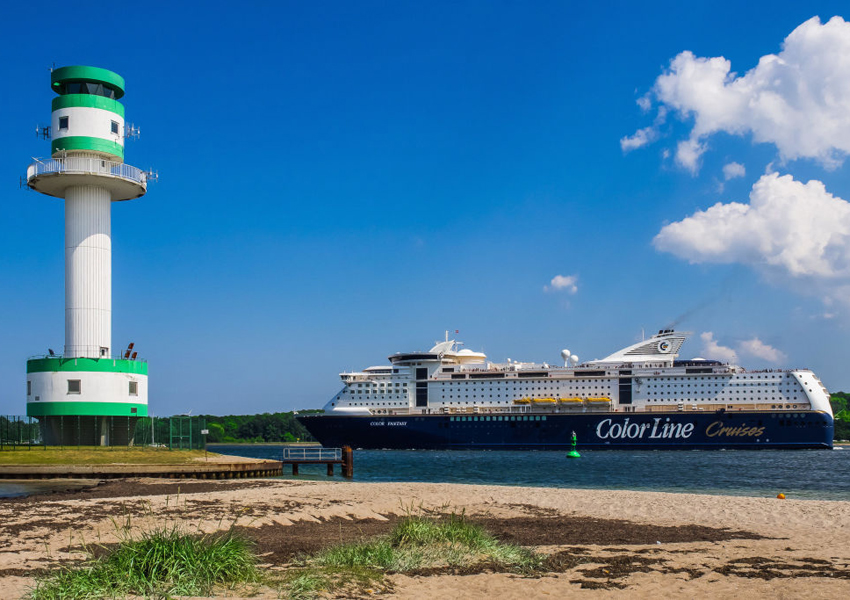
x=88, y=272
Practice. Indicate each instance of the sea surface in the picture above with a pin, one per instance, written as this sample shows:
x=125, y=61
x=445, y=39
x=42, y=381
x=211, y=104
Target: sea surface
x=801, y=474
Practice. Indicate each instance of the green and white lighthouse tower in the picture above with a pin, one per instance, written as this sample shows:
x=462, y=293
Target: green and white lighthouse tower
x=91, y=394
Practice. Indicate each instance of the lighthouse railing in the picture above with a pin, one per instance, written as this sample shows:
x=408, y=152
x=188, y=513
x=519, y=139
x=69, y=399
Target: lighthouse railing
x=79, y=164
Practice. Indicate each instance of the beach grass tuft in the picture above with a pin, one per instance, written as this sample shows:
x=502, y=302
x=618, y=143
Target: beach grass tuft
x=417, y=542
x=162, y=562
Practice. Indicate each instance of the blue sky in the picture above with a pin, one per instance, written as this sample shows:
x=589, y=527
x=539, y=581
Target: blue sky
x=340, y=181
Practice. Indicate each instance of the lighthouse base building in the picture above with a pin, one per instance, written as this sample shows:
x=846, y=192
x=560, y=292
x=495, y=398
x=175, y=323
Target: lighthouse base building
x=91, y=394
x=87, y=401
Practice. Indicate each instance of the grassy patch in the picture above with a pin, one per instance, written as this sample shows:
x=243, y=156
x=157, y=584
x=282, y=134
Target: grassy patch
x=170, y=561
x=159, y=563
x=416, y=543
x=96, y=455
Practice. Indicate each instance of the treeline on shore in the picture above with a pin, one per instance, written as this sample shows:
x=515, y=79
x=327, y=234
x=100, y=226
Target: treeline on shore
x=257, y=429
x=284, y=427
x=841, y=410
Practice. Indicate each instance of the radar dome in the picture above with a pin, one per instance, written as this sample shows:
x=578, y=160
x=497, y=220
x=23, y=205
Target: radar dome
x=574, y=359
x=565, y=354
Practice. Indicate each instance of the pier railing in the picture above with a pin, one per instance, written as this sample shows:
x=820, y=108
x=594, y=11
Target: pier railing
x=311, y=455
x=307, y=454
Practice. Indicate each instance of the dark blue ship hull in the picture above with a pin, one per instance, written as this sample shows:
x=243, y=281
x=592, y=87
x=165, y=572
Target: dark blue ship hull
x=598, y=431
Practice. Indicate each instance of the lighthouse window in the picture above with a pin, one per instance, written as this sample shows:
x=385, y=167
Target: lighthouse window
x=63, y=122
x=115, y=127
x=74, y=386
x=29, y=388
x=134, y=388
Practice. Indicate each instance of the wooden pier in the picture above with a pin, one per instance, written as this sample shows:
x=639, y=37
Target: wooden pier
x=309, y=455
x=214, y=469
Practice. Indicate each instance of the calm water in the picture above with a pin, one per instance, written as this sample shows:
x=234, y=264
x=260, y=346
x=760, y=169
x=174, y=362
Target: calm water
x=806, y=474
x=21, y=487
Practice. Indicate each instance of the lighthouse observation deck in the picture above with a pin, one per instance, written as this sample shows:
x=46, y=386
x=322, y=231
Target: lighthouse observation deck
x=54, y=176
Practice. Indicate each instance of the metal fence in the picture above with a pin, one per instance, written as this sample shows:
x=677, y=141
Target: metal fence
x=17, y=431
x=181, y=433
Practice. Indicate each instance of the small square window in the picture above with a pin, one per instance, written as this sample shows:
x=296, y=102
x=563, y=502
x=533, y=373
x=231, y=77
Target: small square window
x=74, y=386
x=115, y=127
x=63, y=122
x=134, y=388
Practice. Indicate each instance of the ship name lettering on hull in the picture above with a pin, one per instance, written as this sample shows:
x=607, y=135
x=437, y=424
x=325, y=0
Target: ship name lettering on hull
x=717, y=429
x=655, y=430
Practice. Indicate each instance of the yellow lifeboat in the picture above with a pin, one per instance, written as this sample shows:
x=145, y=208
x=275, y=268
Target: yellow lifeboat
x=573, y=400
x=522, y=401
x=544, y=400
x=599, y=400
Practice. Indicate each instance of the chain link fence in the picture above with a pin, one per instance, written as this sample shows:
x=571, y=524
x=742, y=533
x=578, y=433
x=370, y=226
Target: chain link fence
x=180, y=433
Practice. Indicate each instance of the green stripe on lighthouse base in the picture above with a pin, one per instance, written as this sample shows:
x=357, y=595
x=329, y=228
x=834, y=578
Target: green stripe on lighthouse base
x=110, y=365
x=86, y=409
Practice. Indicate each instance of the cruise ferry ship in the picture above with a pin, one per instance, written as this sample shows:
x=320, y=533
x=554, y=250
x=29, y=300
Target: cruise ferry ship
x=640, y=397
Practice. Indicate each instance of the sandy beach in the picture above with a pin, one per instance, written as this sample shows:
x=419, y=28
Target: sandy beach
x=607, y=543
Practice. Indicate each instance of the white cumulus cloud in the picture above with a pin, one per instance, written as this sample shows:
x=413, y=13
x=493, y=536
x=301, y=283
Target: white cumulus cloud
x=732, y=170
x=642, y=137
x=789, y=228
x=567, y=283
x=755, y=347
x=713, y=350
x=798, y=100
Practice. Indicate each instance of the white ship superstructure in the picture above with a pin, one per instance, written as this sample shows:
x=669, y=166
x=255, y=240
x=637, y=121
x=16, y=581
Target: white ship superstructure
x=644, y=377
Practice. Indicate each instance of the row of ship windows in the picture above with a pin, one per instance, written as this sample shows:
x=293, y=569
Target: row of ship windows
x=660, y=382
x=474, y=397
x=716, y=399
x=545, y=388
x=712, y=378
x=710, y=384
x=360, y=385
x=744, y=392
x=506, y=418
x=547, y=391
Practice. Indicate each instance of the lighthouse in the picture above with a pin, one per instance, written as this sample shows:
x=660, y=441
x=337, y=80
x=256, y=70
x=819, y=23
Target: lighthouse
x=92, y=393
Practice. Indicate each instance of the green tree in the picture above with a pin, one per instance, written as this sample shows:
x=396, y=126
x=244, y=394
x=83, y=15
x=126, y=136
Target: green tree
x=216, y=432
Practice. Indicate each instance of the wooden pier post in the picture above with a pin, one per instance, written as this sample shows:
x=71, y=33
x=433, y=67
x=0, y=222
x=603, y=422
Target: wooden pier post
x=347, y=462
